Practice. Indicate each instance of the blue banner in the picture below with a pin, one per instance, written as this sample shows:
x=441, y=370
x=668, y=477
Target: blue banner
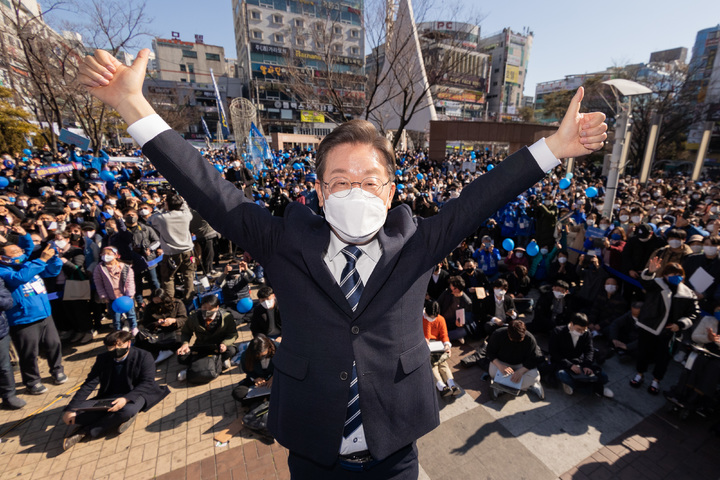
x=205, y=129
x=221, y=108
x=259, y=149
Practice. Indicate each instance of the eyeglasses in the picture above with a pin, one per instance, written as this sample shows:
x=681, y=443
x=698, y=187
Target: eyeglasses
x=341, y=186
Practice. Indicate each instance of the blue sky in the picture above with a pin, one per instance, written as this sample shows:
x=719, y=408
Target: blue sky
x=570, y=37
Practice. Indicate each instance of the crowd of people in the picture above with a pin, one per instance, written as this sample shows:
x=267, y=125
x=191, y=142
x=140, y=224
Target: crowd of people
x=81, y=231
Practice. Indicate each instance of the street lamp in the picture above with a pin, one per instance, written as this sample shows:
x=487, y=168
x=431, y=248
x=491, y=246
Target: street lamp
x=623, y=112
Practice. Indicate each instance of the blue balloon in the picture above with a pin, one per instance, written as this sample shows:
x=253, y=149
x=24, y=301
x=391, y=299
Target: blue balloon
x=123, y=304
x=4, y=182
x=532, y=249
x=591, y=192
x=297, y=166
x=219, y=167
x=564, y=183
x=401, y=186
x=419, y=176
x=508, y=244
x=569, y=176
x=286, y=155
x=398, y=172
x=472, y=155
x=27, y=151
x=25, y=159
x=244, y=305
x=107, y=175
x=490, y=167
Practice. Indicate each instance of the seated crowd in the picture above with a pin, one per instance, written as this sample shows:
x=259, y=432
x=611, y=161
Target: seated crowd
x=110, y=246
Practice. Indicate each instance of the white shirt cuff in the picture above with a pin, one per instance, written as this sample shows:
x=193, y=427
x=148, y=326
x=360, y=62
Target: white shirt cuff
x=148, y=128
x=542, y=154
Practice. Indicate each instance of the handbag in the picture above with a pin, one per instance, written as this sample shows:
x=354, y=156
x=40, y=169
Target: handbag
x=76, y=290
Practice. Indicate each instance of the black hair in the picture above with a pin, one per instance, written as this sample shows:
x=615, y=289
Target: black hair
x=174, y=202
x=116, y=338
x=579, y=319
x=211, y=301
x=256, y=346
x=264, y=292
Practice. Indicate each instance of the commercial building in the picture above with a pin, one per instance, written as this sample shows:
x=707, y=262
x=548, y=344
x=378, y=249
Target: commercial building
x=288, y=53
x=190, y=62
x=703, y=86
x=510, y=52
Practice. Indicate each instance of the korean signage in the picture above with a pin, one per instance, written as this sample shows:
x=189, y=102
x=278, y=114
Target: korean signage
x=465, y=96
x=174, y=42
x=307, y=55
x=514, y=55
x=47, y=171
x=272, y=71
x=512, y=74
x=470, y=81
x=66, y=136
x=310, y=116
x=268, y=49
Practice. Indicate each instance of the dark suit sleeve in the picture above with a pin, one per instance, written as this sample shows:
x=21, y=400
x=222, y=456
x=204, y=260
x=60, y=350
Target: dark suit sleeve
x=217, y=200
x=89, y=384
x=460, y=217
x=143, y=378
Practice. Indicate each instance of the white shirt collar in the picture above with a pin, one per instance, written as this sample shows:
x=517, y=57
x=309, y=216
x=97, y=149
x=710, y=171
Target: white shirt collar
x=372, y=249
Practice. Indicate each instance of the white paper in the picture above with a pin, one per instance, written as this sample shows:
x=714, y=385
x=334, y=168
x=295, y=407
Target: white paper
x=507, y=380
x=460, y=316
x=701, y=280
x=436, y=346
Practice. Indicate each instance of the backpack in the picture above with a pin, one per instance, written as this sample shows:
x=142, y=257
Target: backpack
x=256, y=420
x=205, y=368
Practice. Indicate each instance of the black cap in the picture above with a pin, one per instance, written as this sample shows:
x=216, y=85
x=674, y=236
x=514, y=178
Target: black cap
x=644, y=230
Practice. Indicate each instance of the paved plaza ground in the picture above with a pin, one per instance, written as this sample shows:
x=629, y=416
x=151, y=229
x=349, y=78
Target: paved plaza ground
x=632, y=436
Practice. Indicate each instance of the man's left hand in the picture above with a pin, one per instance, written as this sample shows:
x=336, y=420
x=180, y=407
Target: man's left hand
x=118, y=404
x=579, y=133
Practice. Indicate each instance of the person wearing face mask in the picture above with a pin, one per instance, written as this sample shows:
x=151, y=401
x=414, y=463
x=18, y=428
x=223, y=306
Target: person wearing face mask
x=389, y=258
x=142, y=244
x=709, y=261
x=235, y=284
x=497, y=309
x=30, y=318
x=572, y=358
x=552, y=309
x=613, y=248
x=127, y=386
x=518, y=256
x=435, y=329
x=114, y=279
x=74, y=304
x=266, y=315
x=563, y=269
x=591, y=277
x=623, y=333
x=540, y=266
x=607, y=306
x=676, y=249
x=256, y=362
x=546, y=215
x=163, y=320
x=638, y=250
x=438, y=281
x=670, y=307
x=215, y=335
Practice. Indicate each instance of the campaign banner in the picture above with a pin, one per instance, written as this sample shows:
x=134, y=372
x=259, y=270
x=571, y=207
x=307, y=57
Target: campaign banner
x=66, y=136
x=117, y=160
x=48, y=171
x=153, y=180
x=310, y=116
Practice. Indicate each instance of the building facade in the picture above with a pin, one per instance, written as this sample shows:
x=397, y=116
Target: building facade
x=288, y=53
x=704, y=88
x=191, y=62
x=510, y=52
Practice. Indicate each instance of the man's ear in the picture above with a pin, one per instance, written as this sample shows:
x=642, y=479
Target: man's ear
x=318, y=188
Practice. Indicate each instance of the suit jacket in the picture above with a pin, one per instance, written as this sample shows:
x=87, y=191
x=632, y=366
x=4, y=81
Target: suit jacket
x=322, y=336
x=487, y=306
x=563, y=354
x=139, y=380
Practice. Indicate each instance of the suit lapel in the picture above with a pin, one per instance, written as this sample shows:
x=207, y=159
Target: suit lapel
x=391, y=247
x=313, y=249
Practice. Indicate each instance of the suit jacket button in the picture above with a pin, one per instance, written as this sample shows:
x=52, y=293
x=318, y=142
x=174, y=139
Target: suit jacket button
x=343, y=375
x=355, y=330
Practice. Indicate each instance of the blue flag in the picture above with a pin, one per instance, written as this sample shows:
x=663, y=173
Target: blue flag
x=205, y=129
x=221, y=108
x=259, y=149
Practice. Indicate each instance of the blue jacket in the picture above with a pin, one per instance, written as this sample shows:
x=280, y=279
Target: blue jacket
x=25, y=283
x=6, y=302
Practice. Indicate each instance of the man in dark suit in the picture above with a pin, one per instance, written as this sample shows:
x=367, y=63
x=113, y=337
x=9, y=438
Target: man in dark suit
x=127, y=381
x=352, y=388
x=497, y=309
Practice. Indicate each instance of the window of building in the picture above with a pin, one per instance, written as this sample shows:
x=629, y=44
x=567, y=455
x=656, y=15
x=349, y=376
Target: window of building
x=212, y=56
x=255, y=15
x=183, y=68
x=278, y=19
x=183, y=79
x=337, y=48
x=497, y=70
x=300, y=41
x=319, y=26
x=257, y=35
x=299, y=23
x=337, y=30
x=279, y=38
x=494, y=84
x=191, y=68
x=355, y=33
x=189, y=54
x=355, y=50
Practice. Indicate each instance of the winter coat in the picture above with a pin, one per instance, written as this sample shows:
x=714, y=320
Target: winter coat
x=663, y=308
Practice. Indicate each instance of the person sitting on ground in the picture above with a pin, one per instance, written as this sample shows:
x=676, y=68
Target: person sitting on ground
x=497, y=309
x=451, y=301
x=215, y=334
x=608, y=305
x=256, y=362
x=518, y=282
x=563, y=269
x=163, y=320
x=434, y=328
x=235, y=284
x=623, y=332
x=266, y=316
x=552, y=308
x=126, y=376
x=513, y=351
x=571, y=357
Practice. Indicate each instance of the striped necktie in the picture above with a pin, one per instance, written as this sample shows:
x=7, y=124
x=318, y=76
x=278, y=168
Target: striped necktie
x=352, y=287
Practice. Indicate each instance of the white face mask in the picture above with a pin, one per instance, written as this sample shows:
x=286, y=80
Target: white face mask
x=499, y=293
x=108, y=258
x=604, y=226
x=674, y=243
x=636, y=219
x=355, y=218
x=268, y=304
x=265, y=363
x=562, y=259
x=710, y=228
x=428, y=318
x=558, y=294
x=624, y=218
x=543, y=251
x=696, y=248
x=61, y=244
x=144, y=212
x=710, y=251
x=74, y=205
x=590, y=223
x=575, y=334
x=519, y=254
x=611, y=288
